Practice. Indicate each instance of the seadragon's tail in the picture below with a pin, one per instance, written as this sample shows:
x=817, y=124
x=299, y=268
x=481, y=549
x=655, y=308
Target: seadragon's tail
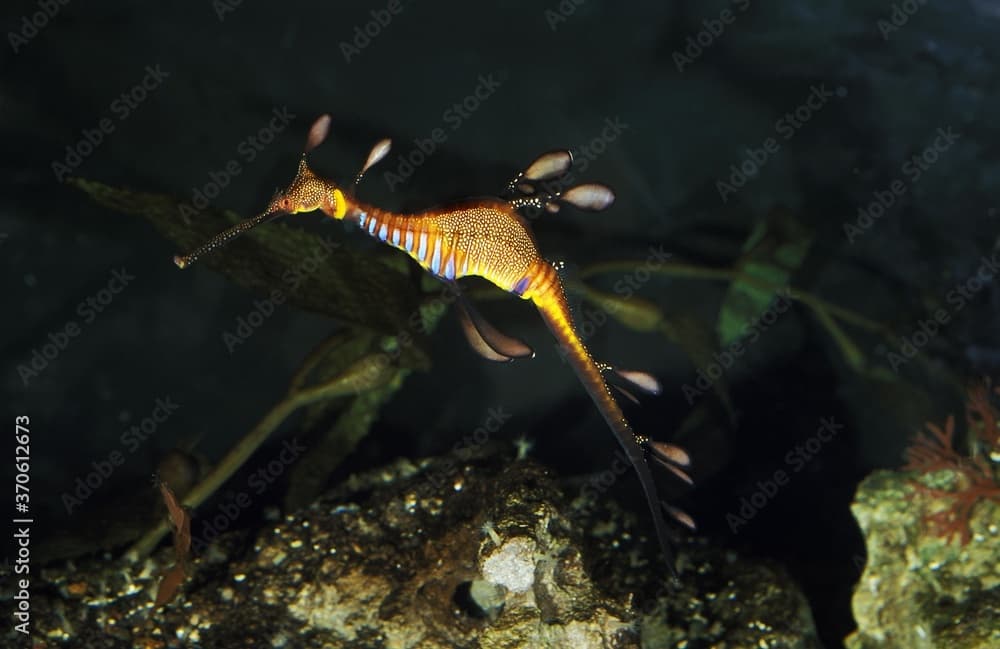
x=549, y=297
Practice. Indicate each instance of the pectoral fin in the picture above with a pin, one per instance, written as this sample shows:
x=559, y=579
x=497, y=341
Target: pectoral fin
x=485, y=339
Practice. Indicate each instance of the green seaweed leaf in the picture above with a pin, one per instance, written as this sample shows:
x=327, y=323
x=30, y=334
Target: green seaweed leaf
x=328, y=450
x=684, y=330
x=379, y=365
x=775, y=249
x=315, y=273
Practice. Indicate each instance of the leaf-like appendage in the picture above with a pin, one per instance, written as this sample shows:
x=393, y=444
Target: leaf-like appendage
x=319, y=274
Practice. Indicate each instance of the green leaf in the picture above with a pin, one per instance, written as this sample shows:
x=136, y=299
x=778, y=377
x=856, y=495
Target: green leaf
x=775, y=249
x=318, y=274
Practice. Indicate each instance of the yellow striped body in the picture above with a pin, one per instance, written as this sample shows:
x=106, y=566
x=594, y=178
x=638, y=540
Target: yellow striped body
x=485, y=238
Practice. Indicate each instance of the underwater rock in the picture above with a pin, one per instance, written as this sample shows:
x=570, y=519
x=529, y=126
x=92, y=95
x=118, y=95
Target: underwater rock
x=921, y=589
x=474, y=549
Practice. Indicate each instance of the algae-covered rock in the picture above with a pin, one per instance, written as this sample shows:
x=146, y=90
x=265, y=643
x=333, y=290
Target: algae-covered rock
x=475, y=549
x=922, y=589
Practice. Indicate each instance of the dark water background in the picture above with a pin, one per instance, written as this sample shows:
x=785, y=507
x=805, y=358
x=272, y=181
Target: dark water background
x=549, y=75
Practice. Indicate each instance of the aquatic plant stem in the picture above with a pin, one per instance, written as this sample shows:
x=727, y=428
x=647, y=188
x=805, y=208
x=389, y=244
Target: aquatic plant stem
x=342, y=385
x=733, y=275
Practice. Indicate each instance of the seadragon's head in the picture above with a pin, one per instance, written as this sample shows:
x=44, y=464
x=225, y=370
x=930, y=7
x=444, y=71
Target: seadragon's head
x=308, y=192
